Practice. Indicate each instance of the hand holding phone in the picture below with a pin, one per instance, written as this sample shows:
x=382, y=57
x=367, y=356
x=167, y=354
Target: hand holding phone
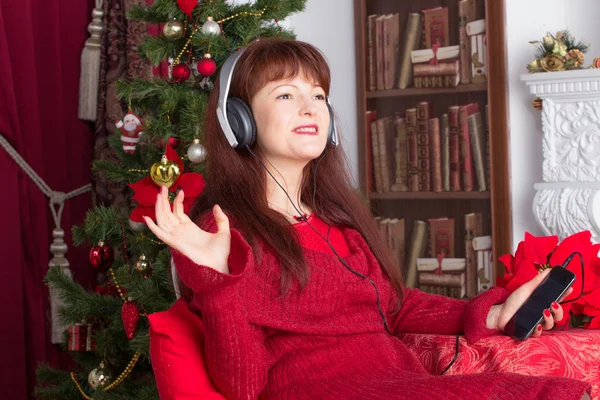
x=530, y=314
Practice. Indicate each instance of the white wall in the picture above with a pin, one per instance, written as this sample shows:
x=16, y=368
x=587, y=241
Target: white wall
x=315, y=26
x=526, y=21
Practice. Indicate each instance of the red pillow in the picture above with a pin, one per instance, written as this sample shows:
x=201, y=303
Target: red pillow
x=176, y=343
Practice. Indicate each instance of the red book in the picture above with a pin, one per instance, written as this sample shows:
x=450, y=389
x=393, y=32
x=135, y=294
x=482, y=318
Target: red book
x=454, y=148
x=466, y=153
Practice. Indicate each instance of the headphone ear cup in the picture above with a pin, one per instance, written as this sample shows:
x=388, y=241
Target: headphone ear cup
x=331, y=129
x=242, y=121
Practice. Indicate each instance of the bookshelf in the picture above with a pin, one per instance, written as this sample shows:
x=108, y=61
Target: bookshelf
x=493, y=204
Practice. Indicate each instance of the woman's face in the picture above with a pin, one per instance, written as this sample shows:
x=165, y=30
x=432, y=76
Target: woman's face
x=292, y=120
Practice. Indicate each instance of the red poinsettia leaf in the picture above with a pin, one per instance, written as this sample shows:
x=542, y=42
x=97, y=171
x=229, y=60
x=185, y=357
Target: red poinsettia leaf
x=192, y=184
x=577, y=308
x=593, y=298
x=145, y=191
x=188, y=203
x=509, y=262
x=593, y=324
x=578, y=242
x=173, y=156
x=140, y=211
x=502, y=281
x=538, y=248
x=187, y=6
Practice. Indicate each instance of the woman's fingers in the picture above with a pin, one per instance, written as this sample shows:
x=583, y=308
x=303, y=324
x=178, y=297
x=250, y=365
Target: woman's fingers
x=557, y=312
x=548, y=322
x=158, y=232
x=162, y=219
x=537, y=331
x=178, y=207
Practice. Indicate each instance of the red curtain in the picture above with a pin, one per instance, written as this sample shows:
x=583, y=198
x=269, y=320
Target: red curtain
x=40, y=46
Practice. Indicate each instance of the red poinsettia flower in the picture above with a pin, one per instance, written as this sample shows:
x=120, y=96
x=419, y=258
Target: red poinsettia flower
x=192, y=184
x=535, y=254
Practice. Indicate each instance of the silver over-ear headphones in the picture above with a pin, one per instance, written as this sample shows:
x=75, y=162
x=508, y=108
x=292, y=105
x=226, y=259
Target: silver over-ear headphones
x=235, y=116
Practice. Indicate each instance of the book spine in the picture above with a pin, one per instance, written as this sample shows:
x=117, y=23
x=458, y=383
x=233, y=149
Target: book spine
x=473, y=228
x=454, y=148
x=445, y=149
x=387, y=53
x=443, y=68
x=488, y=145
x=436, y=154
x=410, y=42
x=479, y=58
x=370, y=116
x=371, y=52
x=424, y=168
x=441, y=237
x=413, y=150
x=401, y=181
x=447, y=279
x=466, y=156
x=482, y=243
x=435, y=81
x=376, y=157
x=383, y=153
x=475, y=27
x=417, y=248
x=475, y=132
x=435, y=27
x=464, y=43
x=379, y=51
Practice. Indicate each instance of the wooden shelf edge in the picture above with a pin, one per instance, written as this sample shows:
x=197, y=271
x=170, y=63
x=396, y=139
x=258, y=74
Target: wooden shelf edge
x=430, y=196
x=471, y=87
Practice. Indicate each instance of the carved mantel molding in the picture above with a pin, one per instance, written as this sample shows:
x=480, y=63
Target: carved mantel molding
x=568, y=199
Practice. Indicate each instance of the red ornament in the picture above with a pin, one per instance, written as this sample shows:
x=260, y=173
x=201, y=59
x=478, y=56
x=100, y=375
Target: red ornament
x=181, y=72
x=130, y=314
x=187, y=6
x=173, y=142
x=207, y=66
x=102, y=256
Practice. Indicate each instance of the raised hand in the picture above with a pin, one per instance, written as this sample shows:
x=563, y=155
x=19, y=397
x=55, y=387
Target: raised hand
x=179, y=232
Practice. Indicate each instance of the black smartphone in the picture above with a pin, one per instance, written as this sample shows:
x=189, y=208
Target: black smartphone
x=531, y=313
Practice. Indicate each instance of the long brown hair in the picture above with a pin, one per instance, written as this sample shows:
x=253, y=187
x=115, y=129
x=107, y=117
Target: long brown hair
x=237, y=181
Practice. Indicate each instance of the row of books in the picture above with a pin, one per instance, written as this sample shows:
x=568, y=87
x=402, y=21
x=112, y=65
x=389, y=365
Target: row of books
x=448, y=276
x=436, y=154
x=432, y=245
x=393, y=60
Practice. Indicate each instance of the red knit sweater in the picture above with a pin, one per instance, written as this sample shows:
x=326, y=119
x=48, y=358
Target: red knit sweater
x=328, y=341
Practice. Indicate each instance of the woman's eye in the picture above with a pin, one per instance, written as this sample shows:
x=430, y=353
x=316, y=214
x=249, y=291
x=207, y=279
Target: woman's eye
x=320, y=97
x=284, y=96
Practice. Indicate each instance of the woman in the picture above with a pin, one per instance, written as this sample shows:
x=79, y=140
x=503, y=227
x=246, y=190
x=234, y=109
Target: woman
x=285, y=316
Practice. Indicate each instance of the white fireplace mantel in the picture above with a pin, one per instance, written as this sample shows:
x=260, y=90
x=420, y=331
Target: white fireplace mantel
x=568, y=199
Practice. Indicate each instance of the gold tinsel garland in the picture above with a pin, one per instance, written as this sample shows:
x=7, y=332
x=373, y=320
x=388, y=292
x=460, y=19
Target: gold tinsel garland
x=240, y=14
x=114, y=383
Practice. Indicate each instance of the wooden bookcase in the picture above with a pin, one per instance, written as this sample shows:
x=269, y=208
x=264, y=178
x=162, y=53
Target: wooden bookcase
x=493, y=204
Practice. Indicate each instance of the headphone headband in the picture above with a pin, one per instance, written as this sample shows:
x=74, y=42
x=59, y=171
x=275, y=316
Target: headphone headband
x=225, y=82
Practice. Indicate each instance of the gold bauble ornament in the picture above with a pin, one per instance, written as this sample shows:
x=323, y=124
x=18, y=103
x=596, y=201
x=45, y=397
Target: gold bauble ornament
x=165, y=172
x=142, y=266
x=98, y=377
x=173, y=29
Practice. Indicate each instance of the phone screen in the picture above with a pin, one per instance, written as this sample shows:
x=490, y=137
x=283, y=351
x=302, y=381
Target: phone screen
x=531, y=312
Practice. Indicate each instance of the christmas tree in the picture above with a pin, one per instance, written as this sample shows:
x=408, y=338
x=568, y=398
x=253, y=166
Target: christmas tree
x=159, y=144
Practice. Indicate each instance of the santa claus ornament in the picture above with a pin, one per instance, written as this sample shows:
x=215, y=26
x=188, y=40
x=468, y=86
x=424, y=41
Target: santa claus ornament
x=131, y=128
